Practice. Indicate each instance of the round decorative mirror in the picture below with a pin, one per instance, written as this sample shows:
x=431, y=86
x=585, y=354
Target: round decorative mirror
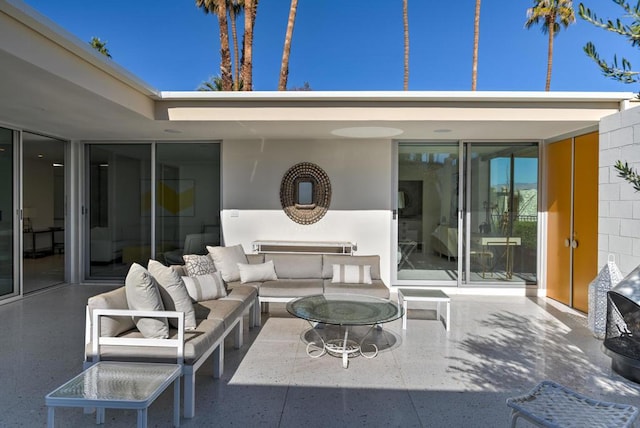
x=305, y=193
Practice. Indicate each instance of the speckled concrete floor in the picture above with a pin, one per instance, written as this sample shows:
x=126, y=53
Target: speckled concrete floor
x=423, y=377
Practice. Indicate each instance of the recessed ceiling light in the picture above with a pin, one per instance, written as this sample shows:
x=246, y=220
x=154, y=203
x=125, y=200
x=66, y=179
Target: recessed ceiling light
x=367, y=132
x=40, y=155
x=58, y=165
x=172, y=131
x=442, y=130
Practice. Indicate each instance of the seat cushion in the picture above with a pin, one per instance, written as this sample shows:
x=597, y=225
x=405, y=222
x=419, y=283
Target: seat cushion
x=377, y=288
x=291, y=288
x=197, y=342
x=225, y=310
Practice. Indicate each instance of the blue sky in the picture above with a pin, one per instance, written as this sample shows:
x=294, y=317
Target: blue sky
x=350, y=45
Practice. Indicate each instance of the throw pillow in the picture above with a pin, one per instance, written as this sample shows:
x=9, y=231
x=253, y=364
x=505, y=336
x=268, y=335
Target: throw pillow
x=143, y=294
x=226, y=260
x=258, y=272
x=352, y=274
x=173, y=293
x=205, y=287
x=198, y=265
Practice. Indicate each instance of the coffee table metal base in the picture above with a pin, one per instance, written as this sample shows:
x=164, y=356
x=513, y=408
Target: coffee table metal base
x=344, y=348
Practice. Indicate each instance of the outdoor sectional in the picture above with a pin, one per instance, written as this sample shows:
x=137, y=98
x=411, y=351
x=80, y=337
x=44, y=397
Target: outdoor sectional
x=289, y=276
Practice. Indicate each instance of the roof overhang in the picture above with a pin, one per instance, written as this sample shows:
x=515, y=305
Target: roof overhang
x=54, y=83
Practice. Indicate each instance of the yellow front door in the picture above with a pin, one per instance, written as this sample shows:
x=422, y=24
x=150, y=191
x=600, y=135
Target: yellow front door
x=585, y=218
x=572, y=224
x=559, y=159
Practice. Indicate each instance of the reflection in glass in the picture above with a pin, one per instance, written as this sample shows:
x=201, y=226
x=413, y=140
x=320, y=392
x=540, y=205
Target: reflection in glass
x=305, y=192
x=503, y=212
x=427, y=212
x=187, y=199
x=43, y=236
x=119, y=208
x=6, y=210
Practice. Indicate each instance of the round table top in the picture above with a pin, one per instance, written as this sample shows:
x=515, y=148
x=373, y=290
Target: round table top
x=344, y=309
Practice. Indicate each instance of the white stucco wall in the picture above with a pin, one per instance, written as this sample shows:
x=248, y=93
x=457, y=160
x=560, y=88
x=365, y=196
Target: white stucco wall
x=361, y=203
x=619, y=204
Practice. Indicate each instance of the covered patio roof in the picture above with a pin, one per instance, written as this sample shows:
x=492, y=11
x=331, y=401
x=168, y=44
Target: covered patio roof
x=56, y=84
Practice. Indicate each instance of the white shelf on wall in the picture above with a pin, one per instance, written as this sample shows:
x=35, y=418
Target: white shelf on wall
x=305, y=247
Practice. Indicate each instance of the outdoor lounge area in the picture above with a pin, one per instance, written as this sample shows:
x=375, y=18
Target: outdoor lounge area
x=423, y=376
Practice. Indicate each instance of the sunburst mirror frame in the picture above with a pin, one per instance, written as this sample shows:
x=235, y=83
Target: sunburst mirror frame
x=298, y=203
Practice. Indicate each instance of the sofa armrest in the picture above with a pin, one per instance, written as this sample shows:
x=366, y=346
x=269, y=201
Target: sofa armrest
x=98, y=340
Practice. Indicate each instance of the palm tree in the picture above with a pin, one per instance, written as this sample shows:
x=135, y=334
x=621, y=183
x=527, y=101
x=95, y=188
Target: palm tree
x=405, y=21
x=284, y=67
x=476, y=42
x=213, y=84
x=235, y=8
x=250, y=11
x=100, y=46
x=553, y=14
x=219, y=7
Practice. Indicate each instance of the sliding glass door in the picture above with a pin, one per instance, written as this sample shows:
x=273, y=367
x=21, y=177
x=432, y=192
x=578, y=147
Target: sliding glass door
x=7, y=208
x=150, y=200
x=428, y=183
x=467, y=213
x=502, y=214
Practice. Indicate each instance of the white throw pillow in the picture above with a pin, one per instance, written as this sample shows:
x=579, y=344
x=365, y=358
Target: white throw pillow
x=258, y=272
x=226, y=260
x=143, y=294
x=173, y=293
x=205, y=287
x=195, y=264
x=351, y=274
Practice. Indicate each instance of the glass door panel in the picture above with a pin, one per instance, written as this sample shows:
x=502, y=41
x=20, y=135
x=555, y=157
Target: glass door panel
x=119, y=195
x=6, y=214
x=187, y=199
x=428, y=212
x=502, y=213
x=43, y=212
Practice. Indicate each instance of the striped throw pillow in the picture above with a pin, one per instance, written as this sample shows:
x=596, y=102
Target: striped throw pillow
x=351, y=274
x=205, y=287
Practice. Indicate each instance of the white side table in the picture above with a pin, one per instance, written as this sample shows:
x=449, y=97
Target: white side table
x=118, y=385
x=417, y=295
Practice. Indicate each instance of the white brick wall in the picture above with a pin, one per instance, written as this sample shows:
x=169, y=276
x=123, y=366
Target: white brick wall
x=619, y=206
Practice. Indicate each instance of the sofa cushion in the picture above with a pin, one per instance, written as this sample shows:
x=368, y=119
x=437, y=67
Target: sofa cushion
x=243, y=293
x=195, y=264
x=291, y=288
x=351, y=274
x=257, y=272
x=225, y=310
x=296, y=266
x=205, y=287
x=173, y=293
x=196, y=343
x=377, y=288
x=226, y=260
x=143, y=294
x=114, y=299
x=328, y=260
x=255, y=259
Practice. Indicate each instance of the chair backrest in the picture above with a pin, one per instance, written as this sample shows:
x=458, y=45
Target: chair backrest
x=196, y=243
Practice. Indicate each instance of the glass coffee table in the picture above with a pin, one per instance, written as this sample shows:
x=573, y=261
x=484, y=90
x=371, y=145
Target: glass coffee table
x=118, y=385
x=346, y=310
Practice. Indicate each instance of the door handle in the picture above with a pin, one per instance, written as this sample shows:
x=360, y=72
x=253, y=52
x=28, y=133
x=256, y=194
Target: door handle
x=574, y=244
x=567, y=242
